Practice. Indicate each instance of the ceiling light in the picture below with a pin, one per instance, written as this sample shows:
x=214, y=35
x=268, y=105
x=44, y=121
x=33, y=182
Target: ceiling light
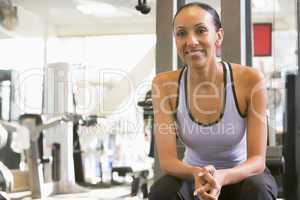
x=90, y=7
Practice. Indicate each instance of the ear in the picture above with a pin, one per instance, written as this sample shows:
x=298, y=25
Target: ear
x=220, y=36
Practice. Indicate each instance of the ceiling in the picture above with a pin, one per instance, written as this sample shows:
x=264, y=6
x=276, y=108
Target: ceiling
x=62, y=18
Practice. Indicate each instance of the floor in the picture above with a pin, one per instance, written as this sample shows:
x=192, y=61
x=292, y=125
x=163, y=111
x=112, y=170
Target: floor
x=114, y=193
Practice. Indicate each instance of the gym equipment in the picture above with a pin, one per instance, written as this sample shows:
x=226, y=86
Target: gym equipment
x=291, y=147
x=57, y=100
x=148, y=116
x=8, y=111
x=3, y=136
x=139, y=179
x=8, y=15
x=275, y=163
x=28, y=134
x=89, y=147
x=6, y=178
x=140, y=183
x=32, y=151
x=6, y=90
x=4, y=196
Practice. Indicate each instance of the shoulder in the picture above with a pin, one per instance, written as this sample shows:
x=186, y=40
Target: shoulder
x=247, y=76
x=167, y=80
x=170, y=76
x=165, y=88
x=249, y=81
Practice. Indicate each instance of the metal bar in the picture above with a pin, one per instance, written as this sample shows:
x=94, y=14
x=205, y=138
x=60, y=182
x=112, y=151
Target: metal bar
x=248, y=24
x=234, y=44
x=8, y=126
x=164, y=36
x=36, y=179
x=298, y=34
x=180, y=3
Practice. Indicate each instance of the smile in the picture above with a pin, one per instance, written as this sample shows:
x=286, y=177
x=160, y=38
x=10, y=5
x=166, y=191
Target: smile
x=195, y=52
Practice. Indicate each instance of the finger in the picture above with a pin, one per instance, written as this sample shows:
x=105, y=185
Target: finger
x=202, y=189
x=215, y=191
x=205, y=188
x=211, y=169
x=207, y=196
x=210, y=179
x=202, y=179
x=203, y=170
x=199, y=179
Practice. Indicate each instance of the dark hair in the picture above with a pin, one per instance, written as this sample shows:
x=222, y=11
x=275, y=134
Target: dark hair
x=206, y=7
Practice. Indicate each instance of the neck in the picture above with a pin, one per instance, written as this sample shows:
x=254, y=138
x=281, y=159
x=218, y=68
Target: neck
x=208, y=73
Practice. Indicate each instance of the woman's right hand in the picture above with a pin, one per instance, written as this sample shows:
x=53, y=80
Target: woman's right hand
x=203, y=187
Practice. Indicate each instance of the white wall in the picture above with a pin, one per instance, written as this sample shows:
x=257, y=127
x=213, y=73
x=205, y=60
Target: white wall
x=89, y=56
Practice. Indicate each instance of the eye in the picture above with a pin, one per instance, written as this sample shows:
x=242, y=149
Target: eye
x=200, y=30
x=181, y=33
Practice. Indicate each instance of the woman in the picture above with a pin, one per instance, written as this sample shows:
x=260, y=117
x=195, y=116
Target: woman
x=218, y=110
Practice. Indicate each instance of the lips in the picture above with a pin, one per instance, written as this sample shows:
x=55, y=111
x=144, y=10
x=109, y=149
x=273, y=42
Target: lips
x=194, y=52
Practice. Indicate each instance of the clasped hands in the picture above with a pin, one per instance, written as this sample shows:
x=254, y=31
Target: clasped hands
x=208, y=183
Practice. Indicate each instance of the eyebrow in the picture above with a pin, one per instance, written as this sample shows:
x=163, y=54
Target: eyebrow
x=199, y=24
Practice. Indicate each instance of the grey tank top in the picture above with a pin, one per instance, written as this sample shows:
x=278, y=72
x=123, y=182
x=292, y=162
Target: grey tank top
x=221, y=143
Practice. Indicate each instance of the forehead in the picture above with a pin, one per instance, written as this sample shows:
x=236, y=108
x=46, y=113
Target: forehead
x=193, y=15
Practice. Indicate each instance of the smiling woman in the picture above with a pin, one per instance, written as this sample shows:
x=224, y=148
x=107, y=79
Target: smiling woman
x=195, y=103
x=207, y=31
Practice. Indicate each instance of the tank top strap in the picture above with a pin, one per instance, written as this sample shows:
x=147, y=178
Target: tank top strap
x=226, y=66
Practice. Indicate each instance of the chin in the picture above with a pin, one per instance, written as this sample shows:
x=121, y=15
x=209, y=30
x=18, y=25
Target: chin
x=198, y=64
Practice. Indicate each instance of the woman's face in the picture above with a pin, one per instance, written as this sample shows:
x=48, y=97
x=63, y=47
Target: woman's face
x=196, y=36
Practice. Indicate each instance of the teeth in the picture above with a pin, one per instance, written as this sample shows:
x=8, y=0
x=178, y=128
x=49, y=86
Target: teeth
x=192, y=51
x=195, y=50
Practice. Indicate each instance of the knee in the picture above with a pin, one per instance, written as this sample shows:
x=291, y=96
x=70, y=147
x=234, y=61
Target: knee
x=251, y=185
x=159, y=193
x=164, y=188
x=258, y=188
x=156, y=193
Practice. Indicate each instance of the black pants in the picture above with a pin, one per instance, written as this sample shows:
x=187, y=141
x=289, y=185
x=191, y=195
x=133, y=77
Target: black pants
x=259, y=187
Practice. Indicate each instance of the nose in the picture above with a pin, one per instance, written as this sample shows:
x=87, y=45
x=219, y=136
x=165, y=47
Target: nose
x=191, y=39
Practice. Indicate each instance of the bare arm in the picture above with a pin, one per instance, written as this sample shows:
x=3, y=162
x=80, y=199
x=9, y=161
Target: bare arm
x=256, y=134
x=165, y=135
x=256, y=144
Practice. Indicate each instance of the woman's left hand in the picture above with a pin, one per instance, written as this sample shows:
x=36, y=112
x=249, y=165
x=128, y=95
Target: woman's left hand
x=211, y=185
